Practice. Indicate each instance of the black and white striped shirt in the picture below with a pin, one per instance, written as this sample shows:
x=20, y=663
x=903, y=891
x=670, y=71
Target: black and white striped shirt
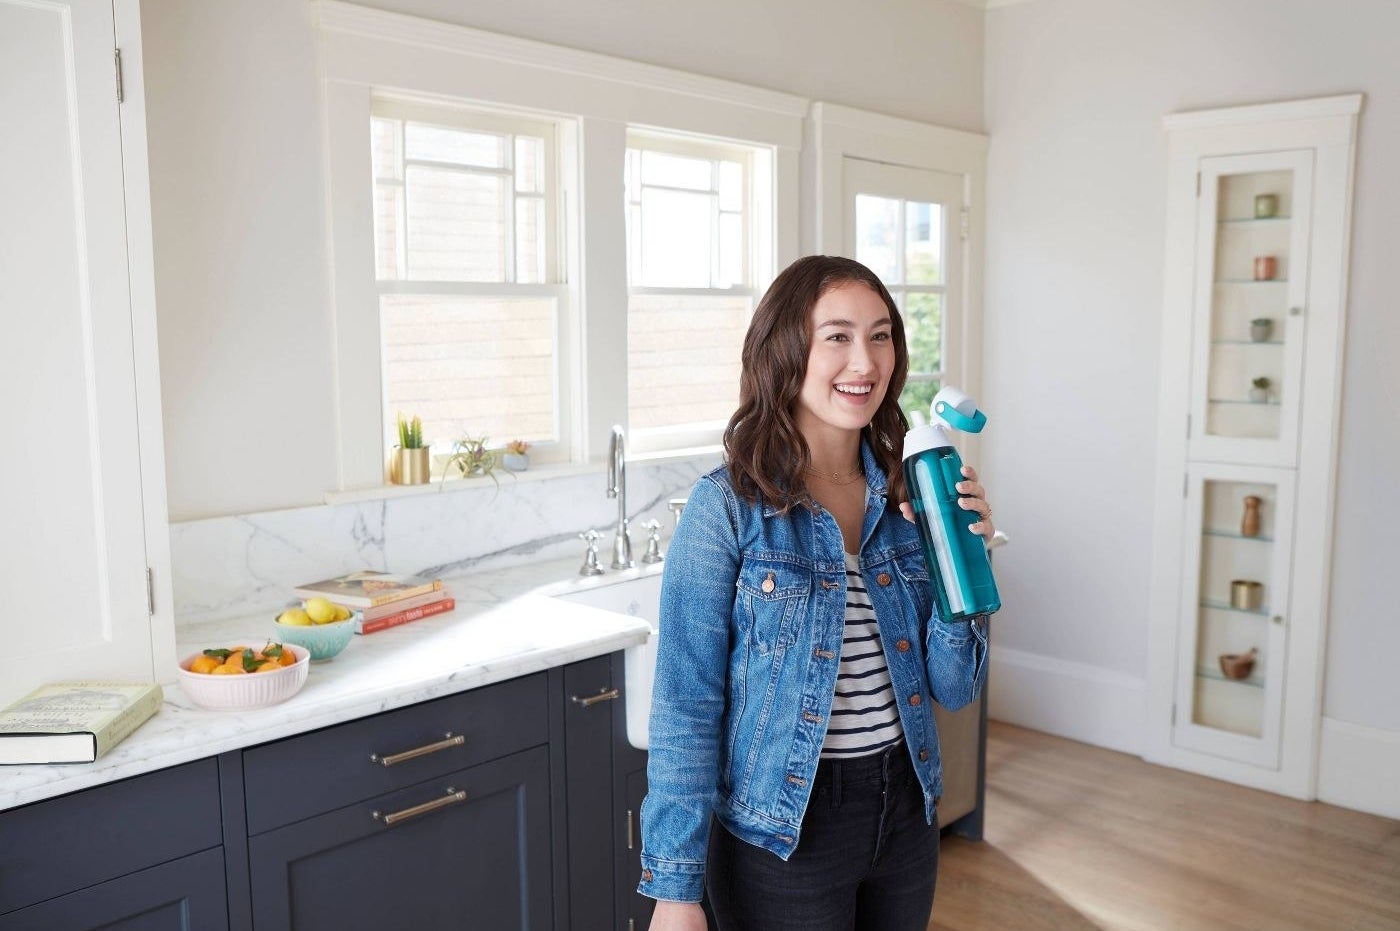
x=864, y=717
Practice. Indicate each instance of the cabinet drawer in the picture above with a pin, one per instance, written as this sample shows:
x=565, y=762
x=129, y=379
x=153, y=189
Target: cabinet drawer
x=56, y=846
x=312, y=773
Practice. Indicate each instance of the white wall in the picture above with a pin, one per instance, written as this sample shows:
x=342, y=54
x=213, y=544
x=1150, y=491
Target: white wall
x=238, y=188
x=1075, y=94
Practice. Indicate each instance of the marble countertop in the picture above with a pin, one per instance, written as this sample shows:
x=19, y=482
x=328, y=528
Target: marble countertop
x=505, y=625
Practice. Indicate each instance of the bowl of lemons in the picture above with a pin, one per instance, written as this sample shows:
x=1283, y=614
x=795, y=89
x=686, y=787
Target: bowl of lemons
x=321, y=626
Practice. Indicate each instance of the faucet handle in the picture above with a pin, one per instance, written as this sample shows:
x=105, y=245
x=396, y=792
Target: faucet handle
x=676, y=505
x=653, y=553
x=590, y=559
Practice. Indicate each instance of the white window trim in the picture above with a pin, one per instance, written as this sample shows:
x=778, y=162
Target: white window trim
x=840, y=132
x=369, y=52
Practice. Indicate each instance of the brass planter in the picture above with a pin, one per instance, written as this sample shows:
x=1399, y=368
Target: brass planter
x=1246, y=595
x=410, y=466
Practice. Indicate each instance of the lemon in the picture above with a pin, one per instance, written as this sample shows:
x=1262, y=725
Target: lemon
x=342, y=613
x=294, y=617
x=320, y=610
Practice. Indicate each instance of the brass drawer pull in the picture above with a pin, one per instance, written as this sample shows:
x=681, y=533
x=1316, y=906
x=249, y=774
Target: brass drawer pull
x=590, y=701
x=630, y=833
x=448, y=742
x=452, y=797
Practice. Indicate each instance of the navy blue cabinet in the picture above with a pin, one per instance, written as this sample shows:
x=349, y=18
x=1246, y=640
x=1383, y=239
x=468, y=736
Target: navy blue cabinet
x=503, y=807
x=140, y=853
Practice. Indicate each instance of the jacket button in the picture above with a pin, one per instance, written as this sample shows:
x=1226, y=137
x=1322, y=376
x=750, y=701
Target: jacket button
x=923, y=755
x=902, y=646
x=882, y=579
x=916, y=699
x=646, y=876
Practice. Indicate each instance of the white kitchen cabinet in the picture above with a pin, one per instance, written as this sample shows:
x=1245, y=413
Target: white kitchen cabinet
x=84, y=562
x=1259, y=205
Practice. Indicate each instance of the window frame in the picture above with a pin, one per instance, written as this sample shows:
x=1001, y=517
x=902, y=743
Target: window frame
x=555, y=285
x=757, y=261
x=595, y=98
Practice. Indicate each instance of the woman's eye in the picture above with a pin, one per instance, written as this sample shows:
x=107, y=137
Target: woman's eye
x=837, y=338
x=883, y=337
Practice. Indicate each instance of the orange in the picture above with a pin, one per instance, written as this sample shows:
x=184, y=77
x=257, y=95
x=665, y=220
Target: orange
x=204, y=664
x=288, y=657
x=226, y=670
x=269, y=666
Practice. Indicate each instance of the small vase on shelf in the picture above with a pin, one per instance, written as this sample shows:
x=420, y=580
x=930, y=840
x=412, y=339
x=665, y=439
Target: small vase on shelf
x=1265, y=268
x=1249, y=524
x=1259, y=390
x=1265, y=206
x=1238, y=665
x=1260, y=329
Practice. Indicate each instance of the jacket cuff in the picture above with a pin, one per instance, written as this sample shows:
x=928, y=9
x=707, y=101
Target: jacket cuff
x=672, y=880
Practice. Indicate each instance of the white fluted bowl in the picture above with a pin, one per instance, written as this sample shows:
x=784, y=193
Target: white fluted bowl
x=245, y=692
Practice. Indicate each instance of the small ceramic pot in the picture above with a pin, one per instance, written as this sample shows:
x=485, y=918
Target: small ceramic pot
x=1259, y=395
x=1260, y=330
x=515, y=462
x=1265, y=268
x=1265, y=206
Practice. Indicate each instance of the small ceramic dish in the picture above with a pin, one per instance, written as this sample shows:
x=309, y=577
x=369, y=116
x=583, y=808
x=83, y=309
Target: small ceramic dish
x=245, y=692
x=322, y=640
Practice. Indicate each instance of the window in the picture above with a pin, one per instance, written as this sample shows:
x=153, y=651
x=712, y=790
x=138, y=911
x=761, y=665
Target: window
x=902, y=229
x=467, y=266
x=699, y=243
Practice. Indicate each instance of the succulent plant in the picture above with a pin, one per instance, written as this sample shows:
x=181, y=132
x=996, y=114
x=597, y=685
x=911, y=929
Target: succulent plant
x=410, y=433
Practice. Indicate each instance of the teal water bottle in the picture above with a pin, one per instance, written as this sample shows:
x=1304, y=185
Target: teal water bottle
x=957, y=559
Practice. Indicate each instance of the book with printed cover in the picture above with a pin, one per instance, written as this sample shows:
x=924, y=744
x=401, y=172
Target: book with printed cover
x=74, y=722
x=403, y=604
x=384, y=622
x=367, y=588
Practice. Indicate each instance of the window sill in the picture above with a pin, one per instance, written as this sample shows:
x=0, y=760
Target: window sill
x=533, y=474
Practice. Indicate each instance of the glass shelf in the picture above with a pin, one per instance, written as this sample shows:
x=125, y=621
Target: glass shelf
x=1234, y=535
x=1260, y=220
x=1246, y=342
x=1205, y=672
x=1222, y=606
x=1250, y=403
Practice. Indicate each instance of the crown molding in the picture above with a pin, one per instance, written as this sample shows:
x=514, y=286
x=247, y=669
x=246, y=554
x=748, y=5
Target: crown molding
x=1311, y=108
x=351, y=19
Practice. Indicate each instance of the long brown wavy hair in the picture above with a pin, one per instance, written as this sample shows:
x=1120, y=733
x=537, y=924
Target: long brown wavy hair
x=767, y=455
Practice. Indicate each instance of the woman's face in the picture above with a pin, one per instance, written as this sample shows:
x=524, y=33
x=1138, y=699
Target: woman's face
x=849, y=362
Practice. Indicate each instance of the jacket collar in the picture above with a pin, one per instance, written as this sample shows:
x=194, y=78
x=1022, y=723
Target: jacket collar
x=875, y=479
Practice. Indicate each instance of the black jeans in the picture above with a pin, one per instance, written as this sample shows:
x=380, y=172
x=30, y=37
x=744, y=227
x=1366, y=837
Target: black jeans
x=865, y=859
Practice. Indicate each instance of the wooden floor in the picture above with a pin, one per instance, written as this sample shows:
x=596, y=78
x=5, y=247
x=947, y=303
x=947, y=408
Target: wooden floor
x=1079, y=838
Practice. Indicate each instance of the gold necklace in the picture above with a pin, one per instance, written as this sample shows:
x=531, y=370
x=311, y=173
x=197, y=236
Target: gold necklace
x=838, y=478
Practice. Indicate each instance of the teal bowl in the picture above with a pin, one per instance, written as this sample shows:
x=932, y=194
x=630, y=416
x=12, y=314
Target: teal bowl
x=322, y=641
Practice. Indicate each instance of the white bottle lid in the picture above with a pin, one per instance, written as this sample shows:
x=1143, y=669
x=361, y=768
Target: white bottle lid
x=923, y=436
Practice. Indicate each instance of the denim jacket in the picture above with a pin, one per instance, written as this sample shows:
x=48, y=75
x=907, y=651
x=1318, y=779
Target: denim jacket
x=752, y=615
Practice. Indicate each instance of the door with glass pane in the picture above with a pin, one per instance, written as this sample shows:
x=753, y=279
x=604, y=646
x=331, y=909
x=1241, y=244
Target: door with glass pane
x=1234, y=622
x=905, y=225
x=1254, y=219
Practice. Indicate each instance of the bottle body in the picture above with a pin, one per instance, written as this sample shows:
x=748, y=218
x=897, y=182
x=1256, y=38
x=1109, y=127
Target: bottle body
x=959, y=569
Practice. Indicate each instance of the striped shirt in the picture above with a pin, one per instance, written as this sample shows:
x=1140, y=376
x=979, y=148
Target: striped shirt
x=864, y=718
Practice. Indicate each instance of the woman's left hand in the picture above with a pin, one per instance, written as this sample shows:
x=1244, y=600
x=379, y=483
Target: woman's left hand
x=975, y=500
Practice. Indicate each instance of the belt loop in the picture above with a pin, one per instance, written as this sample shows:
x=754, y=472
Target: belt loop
x=835, y=783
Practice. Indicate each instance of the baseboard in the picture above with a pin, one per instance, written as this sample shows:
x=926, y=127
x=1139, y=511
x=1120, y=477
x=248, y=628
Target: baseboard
x=1086, y=703
x=1359, y=767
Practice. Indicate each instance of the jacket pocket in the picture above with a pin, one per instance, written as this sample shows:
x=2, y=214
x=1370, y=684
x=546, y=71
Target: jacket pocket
x=913, y=572
x=769, y=597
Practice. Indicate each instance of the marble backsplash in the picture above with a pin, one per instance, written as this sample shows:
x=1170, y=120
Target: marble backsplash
x=231, y=566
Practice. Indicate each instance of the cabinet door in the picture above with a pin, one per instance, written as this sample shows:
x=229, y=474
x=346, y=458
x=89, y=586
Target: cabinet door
x=182, y=895
x=466, y=850
x=590, y=699
x=634, y=907
x=71, y=475
x=1249, y=319
x=1235, y=592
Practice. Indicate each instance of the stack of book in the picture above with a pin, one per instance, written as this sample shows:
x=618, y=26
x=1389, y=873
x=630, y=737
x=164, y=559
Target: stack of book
x=383, y=600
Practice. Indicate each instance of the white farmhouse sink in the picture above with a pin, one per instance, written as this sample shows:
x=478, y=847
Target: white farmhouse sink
x=636, y=592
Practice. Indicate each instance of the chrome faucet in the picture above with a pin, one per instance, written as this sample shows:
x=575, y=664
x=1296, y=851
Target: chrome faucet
x=617, y=488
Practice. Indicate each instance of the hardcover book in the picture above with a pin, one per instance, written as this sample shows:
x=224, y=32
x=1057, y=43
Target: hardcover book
x=403, y=604
x=367, y=588
x=74, y=722
x=403, y=617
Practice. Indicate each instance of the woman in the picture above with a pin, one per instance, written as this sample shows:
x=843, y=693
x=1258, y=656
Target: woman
x=794, y=764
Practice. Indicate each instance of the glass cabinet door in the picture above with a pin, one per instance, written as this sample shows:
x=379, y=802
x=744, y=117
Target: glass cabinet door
x=1247, y=335
x=1234, y=611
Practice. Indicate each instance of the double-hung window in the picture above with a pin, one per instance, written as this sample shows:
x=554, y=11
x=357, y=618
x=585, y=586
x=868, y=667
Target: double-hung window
x=699, y=253
x=469, y=274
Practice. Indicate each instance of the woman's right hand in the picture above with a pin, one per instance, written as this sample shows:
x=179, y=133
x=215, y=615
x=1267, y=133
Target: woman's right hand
x=678, y=916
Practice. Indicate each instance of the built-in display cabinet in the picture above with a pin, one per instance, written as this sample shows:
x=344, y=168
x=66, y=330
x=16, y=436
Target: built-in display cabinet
x=1259, y=202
